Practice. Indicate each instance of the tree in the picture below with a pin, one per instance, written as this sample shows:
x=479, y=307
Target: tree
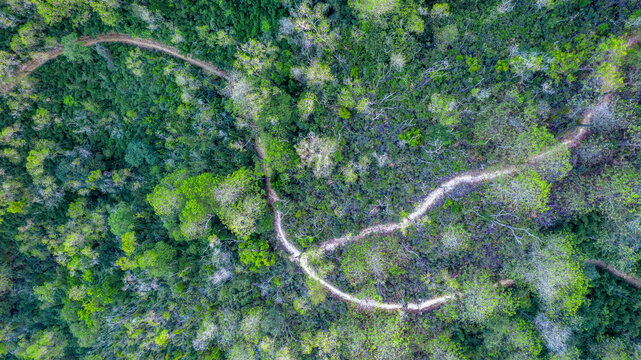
x=235, y=199
x=121, y=220
x=250, y=325
x=313, y=26
x=446, y=36
x=5, y=279
x=440, y=10
x=138, y=152
x=555, y=165
x=443, y=108
x=556, y=335
x=514, y=338
x=373, y=8
x=555, y=273
x=279, y=154
x=73, y=50
x=531, y=142
x=306, y=104
x=254, y=57
x=318, y=153
x=160, y=261
x=73, y=243
x=128, y=241
x=318, y=73
x=134, y=62
x=374, y=337
x=480, y=299
x=611, y=53
x=443, y=348
x=7, y=64
x=455, y=237
x=255, y=254
x=241, y=351
x=526, y=192
x=613, y=348
x=44, y=345
x=619, y=192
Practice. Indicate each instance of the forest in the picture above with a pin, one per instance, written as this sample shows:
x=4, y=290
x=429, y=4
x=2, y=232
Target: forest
x=320, y=179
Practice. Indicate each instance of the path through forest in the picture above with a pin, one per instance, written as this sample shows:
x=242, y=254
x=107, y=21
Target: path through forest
x=38, y=59
x=303, y=259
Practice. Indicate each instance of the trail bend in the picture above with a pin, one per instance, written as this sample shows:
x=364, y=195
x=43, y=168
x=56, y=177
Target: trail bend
x=571, y=139
x=303, y=259
x=41, y=58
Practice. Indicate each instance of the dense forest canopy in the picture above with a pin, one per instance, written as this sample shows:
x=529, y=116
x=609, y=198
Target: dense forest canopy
x=302, y=179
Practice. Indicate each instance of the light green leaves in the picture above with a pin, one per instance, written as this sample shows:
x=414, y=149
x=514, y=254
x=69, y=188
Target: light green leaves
x=373, y=8
x=526, y=192
x=236, y=200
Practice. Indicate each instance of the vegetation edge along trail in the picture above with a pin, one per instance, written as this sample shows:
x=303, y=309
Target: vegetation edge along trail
x=40, y=58
x=571, y=139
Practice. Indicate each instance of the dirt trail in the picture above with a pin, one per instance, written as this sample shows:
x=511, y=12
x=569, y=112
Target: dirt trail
x=570, y=140
x=630, y=280
x=40, y=58
x=303, y=259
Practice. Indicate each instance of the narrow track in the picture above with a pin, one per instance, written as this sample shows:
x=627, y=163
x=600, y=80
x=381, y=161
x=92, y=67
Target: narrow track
x=303, y=259
x=40, y=58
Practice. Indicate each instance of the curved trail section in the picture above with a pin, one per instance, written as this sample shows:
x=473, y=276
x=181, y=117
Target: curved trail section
x=630, y=280
x=40, y=58
x=570, y=140
x=303, y=259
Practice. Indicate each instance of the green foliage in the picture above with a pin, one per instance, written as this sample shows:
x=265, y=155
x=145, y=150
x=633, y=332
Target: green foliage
x=373, y=8
x=255, y=254
x=235, y=199
x=443, y=348
x=316, y=292
x=128, y=241
x=306, y=104
x=279, y=155
x=444, y=109
x=473, y=64
x=370, y=260
x=305, y=241
x=536, y=139
x=5, y=279
x=440, y=10
x=254, y=57
x=336, y=91
x=609, y=77
x=619, y=193
x=446, y=36
x=15, y=207
x=343, y=113
x=138, y=152
x=45, y=344
x=160, y=261
x=514, y=336
x=162, y=339
x=526, y=192
x=480, y=300
x=455, y=237
x=72, y=49
x=121, y=220
x=411, y=137
x=375, y=337
x=556, y=275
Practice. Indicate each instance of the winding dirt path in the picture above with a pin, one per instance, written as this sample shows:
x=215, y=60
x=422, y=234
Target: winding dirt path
x=304, y=259
x=630, y=280
x=570, y=140
x=40, y=58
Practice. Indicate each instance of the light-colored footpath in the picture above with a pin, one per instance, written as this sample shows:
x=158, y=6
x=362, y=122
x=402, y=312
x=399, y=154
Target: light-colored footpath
x=572, y=139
